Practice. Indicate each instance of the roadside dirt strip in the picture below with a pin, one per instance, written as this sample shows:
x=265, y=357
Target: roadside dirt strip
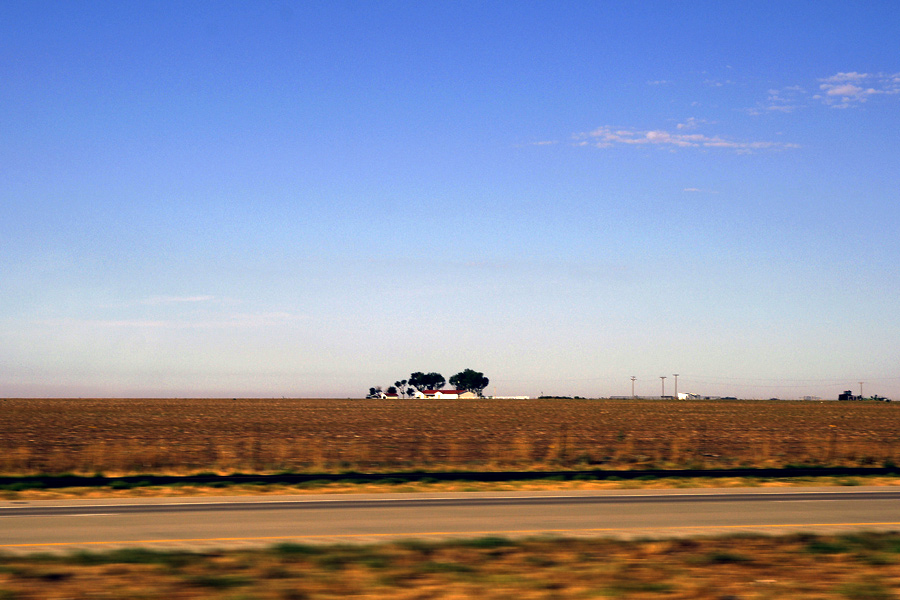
x=41, y=526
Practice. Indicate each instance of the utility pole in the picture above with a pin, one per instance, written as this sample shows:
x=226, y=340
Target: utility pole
x=632, y=385
x=663, y=379
x=676, y=386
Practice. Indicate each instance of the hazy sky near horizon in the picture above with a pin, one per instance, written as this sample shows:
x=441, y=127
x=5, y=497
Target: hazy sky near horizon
x=309, y=199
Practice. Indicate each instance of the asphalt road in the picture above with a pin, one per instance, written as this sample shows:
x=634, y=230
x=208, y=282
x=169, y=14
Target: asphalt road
x=42, y=526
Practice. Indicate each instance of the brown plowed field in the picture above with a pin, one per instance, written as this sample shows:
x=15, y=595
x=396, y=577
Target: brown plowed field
x=118, y=436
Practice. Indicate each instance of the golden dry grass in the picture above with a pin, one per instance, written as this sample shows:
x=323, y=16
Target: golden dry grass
x=120, y=436
x=799, y=567
x=182, y=490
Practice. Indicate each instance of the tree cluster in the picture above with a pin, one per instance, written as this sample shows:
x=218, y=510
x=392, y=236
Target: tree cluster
x=469, y=380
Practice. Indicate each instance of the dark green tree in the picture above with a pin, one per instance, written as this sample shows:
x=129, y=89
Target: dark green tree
x=427, y=381
x=471, y=381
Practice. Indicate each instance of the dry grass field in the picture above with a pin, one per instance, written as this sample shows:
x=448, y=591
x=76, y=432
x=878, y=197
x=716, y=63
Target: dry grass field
x=799, y=567
x=122, y=436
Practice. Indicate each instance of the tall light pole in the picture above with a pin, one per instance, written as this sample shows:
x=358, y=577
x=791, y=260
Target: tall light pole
x=676, y=386
x=632, y=385
x=860, y=389
x=663, y=379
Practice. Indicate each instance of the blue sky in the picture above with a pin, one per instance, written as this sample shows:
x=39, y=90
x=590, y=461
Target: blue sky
x=309, y=199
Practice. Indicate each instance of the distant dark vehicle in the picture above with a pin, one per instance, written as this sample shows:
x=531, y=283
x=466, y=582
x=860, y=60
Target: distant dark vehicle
x=729, y=398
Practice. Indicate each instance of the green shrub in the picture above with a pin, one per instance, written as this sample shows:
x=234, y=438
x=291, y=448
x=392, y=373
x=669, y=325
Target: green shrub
x=21, y=486
x=848, y=481
x=393, y=480
x=313, y=483
x=292, y=549
x=486, y=542
x=132, y=556
x=722, y=557
x=444, y=567
x=865, y=590
x=826, y=547
x=354, y=480
x=626, y=588
x=333, y=561
x=375, y=562
x=422, y=547
x=876, y=559
x=218, y=582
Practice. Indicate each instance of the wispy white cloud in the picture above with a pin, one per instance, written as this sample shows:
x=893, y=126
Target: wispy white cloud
x=842, y=90
x=693, y=190
x=607, y=137
x=237, y=320
x=845, y=90
x=784, y=100
x=691, y=123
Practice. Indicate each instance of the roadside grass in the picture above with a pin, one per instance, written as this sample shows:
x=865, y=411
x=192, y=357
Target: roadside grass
x=356, y=485
x=797, y=566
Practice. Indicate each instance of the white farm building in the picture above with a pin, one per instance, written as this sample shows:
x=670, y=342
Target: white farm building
x=446, y=394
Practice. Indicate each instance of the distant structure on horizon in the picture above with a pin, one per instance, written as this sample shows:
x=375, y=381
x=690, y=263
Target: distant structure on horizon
x=445, y=394
x=848, y=396
x=681, y=396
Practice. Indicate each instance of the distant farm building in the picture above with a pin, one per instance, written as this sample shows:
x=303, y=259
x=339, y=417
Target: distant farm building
x=446, y=394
